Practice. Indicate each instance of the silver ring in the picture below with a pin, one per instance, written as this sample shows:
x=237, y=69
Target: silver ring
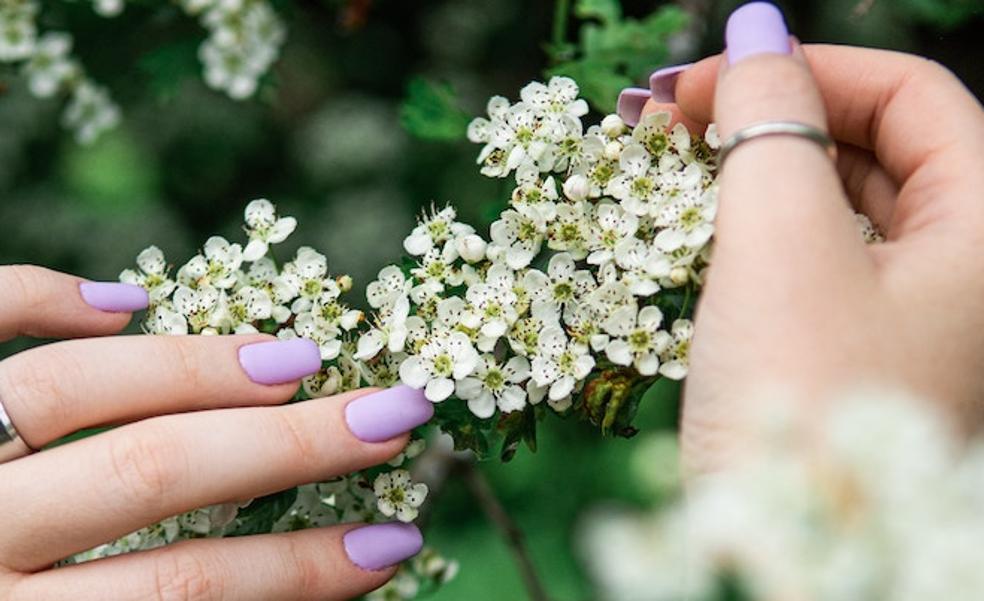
x=778, y=128
x=12, y=446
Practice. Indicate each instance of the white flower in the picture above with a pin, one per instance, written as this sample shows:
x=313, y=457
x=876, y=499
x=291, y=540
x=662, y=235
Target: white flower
x=263, y=275
x=238, y=311
x=198, y=306
x=637, y=338
x=435, y=270
x=325, y=322
x=443, y=359
x=414, y=448
x=492, y=305
x=612, y=225
x=493, y=384
x=612, y=126
x=524, y=337
x=636, y=185
x=687, y=221
x=306, y=277
x=534, y=192
x=572, y=228
x=642, y=266
x=676, y=355
x=517, y=237
x=264, y=228
x=559, y=96
x=560, y=363
x=391, y=333
x=390, y=285
x=577, y=187
x=165, y=321
x=869, y=232
x=90, y=112
x=152, y=276
x=217, y=267
x=434, y=230
x=562, y=283
x=244, y=40
x=383, y=370
x=18, y=31
x=108, y=8
x=652, y=134
x=50, y=65
x=396, y=494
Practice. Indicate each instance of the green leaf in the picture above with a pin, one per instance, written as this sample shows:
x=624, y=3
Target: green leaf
x=167, y=67
x=259, y=516
x=469, y=432
x=431, y=112
x=517, y=427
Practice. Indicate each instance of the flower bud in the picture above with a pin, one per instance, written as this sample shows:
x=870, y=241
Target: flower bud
x=471, y=248
x=613, y=150
x=577, y=187
x=612, y=126
x=344, y=282
x=679, y=275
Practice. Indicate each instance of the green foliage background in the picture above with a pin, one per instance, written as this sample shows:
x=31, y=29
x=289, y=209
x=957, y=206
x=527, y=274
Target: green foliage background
x=358, y=127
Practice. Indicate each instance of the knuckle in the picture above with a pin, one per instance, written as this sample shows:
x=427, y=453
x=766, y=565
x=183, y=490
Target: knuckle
x=306, y=573
x=182, y=575
x=187, y=360
x=145, y=466
x=297, y=440
x=27, y=284
x=35, y=386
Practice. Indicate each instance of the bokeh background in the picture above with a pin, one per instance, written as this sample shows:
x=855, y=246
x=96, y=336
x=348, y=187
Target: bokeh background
x=324, y=140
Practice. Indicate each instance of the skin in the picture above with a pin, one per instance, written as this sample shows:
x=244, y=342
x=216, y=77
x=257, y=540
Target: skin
x=794, y=301
x=171, y=394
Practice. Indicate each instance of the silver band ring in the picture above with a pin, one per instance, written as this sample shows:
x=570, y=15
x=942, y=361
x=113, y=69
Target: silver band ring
x=778, y=128
x=12, y=446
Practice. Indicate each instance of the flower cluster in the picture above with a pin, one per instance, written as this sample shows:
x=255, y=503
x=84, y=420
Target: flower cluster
x=50, y=70
x=244, y=40
x=875, y=500
x=577, y=302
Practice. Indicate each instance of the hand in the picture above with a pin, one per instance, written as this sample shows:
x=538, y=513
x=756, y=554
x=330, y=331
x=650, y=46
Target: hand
x=793, y=297
x=202, y=427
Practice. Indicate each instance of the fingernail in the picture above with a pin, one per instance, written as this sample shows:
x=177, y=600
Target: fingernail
x=662, y=83
x=380, y=546
x=280, y=361
x=756, y=28
x=114, y=297
x=382, y=415
x=630, y=103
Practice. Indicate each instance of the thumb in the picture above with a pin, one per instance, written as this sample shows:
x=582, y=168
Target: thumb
x=780, y=195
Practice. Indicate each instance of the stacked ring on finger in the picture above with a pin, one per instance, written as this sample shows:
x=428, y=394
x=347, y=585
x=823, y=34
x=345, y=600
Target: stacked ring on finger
x=12, y=445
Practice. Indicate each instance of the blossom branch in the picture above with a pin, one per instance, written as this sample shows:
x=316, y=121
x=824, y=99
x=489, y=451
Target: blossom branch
x=515, y=540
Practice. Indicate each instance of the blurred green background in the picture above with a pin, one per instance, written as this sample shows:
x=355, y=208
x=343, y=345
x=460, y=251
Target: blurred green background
x=324, y=140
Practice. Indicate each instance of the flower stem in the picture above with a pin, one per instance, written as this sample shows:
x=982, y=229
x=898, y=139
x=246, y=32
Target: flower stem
x=515, y=540
x=561, y=11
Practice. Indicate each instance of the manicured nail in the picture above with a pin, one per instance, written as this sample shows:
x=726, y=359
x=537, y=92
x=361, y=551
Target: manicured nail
x=630, y=103
x=382, y=545
x=382, y=415
x=662, y=83
x=756, y=28
x=280, y=361
x=114, y=297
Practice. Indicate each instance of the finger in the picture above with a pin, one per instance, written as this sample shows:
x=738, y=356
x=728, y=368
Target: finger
x=773, y=189
x=40, y=302
x=323, y=564
x=114, y=483
x=911, y=112
x=869, y=187
x=59, y=388
x=635, y=103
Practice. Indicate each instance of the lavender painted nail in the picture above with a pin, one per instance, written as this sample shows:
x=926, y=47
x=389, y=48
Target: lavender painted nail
x=756, y=28
x=382, y=545
x=382, y=415
x=662, y=83
x=280, y=361
x=630, y=103
x=114, y=297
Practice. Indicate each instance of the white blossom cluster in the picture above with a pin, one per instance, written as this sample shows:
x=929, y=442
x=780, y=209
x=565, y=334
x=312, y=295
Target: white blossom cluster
x=877, y=500
x=50, y=70
x=244, y=40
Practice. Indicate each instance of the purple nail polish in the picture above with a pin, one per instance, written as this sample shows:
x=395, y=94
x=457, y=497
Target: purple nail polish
x=382, y=415
x=756, y=28
x=114, y=297
x=662, y=83
x=280, y=361
x=630, y=103
x=380, y=546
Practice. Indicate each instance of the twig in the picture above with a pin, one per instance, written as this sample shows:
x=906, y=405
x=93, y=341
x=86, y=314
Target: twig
x=480, y=489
